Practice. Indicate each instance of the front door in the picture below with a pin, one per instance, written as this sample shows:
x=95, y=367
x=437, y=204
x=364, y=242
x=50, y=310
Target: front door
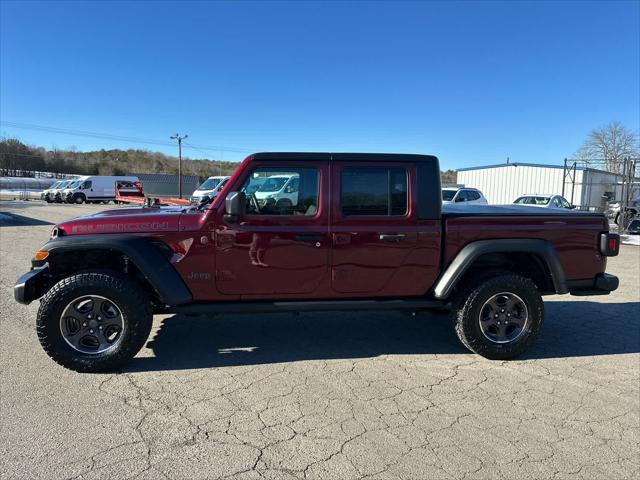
x=281, y=245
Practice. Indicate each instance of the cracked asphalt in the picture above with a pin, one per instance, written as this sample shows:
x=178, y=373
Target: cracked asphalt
x=340, y=395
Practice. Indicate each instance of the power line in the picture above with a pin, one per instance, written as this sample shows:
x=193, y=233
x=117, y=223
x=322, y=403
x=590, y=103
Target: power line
x=108, y=136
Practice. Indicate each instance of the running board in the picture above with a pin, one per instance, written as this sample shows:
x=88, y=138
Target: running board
x=305, y=306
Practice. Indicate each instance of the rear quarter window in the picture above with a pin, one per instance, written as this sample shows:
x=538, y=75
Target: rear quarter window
x=373, y=191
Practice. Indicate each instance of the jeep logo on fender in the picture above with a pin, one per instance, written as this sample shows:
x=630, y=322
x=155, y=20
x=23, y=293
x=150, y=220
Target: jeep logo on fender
x=199, y=276
x=120, y=227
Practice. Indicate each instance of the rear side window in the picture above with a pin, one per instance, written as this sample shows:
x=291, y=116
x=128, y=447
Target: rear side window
x=373, y=191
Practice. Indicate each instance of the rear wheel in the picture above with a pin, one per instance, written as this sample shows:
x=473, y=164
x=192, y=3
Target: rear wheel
x=94, y=322
x=498, y=317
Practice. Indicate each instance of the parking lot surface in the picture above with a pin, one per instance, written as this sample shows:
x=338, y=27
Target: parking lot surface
x=322, y=395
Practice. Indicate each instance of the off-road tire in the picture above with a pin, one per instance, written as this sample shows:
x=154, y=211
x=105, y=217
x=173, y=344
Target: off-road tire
x=469, y=301
x=129, y=297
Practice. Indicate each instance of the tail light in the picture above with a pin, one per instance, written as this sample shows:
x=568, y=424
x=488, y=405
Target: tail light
x=609, y=244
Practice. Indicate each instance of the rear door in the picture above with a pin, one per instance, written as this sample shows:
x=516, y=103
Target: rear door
x=281, y=246
x=380, y=248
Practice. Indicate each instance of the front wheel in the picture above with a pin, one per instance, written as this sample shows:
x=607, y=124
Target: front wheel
x=94, y=322
x=500, y=317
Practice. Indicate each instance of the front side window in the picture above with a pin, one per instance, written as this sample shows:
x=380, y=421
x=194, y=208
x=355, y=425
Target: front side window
x=222, y=184
x=280, y=191
x=373, y=191
x=85, y=185
x=462, y=196
x=473, y=195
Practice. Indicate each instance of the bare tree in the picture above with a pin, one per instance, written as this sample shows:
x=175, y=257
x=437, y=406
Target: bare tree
x=610, y=144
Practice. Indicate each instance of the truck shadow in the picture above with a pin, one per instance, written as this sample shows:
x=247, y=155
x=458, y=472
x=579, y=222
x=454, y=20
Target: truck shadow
x=8, y=219
x=572, y=329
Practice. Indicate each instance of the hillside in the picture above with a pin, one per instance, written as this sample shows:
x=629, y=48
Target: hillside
x=16, y=158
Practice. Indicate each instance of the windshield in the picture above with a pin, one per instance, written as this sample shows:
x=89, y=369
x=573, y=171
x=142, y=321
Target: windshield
x=532, y=200
x=55, y=185
x=273, y=184
x=209, y=184
x=447, y=195
x=73, y=184
x=64, y=184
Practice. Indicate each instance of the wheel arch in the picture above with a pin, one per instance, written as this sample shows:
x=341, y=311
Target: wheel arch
x=149, y=259
x=534, y=257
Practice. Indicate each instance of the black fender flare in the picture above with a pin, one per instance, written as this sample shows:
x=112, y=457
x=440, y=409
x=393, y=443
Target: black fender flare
x=467, y=256
x=147, y=258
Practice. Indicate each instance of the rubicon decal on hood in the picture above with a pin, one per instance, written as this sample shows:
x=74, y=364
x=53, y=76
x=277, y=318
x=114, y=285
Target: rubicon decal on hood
x=119, y=227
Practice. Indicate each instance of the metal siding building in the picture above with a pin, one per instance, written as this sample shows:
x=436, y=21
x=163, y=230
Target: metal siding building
x=504, y=183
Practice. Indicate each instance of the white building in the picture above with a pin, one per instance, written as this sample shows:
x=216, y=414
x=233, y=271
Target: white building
x=505, y=182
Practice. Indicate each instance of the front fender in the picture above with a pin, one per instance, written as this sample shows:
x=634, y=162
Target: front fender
x=141, y=252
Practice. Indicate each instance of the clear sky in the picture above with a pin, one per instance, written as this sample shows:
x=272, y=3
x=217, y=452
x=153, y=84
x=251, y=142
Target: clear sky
x=472, y=82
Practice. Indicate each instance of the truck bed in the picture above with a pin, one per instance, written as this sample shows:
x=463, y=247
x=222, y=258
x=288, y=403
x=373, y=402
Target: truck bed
x=465, y=210
x=573, y=234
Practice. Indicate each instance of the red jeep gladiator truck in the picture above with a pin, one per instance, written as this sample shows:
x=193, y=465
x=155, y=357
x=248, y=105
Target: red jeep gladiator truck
x=313, y=231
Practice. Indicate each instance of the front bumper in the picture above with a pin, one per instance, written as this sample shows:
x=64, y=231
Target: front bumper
x=31, y=285
x=601, y=284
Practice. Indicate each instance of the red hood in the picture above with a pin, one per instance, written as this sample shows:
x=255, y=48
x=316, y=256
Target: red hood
x=127, y=220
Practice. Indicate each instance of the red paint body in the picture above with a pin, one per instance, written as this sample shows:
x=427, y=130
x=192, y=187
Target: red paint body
x=262, y=257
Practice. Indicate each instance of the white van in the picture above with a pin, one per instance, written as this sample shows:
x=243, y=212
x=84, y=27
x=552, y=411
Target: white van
x=96, y=188
x=55, y=194
x=279, y=187
x=47, y=194
x=209, y=189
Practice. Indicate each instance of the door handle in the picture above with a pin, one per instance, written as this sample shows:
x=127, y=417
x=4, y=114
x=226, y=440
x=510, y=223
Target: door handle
x=309, y=238
x=392, y=237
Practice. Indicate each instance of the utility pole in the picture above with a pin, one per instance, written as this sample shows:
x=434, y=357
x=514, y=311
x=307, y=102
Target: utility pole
x=179, y=139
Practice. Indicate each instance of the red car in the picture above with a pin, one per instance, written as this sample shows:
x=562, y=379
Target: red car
x=353, y=232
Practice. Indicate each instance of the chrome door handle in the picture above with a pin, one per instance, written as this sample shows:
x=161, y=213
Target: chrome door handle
x=392, y=237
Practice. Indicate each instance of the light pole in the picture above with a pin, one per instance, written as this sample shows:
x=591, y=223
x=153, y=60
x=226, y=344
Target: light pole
x=179, y=139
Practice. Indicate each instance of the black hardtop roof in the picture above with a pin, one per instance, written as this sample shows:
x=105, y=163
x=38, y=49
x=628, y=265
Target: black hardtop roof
x=350, y=157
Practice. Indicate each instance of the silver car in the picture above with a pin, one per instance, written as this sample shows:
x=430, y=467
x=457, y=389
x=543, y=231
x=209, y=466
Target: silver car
x=463, y=194
x=545, y=201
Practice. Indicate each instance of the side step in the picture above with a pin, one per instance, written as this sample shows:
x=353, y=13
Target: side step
x=306, y=306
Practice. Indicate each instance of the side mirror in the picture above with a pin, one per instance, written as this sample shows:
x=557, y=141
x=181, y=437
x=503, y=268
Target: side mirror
x=235, y=206
x=459, y=199
x=572, y=207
